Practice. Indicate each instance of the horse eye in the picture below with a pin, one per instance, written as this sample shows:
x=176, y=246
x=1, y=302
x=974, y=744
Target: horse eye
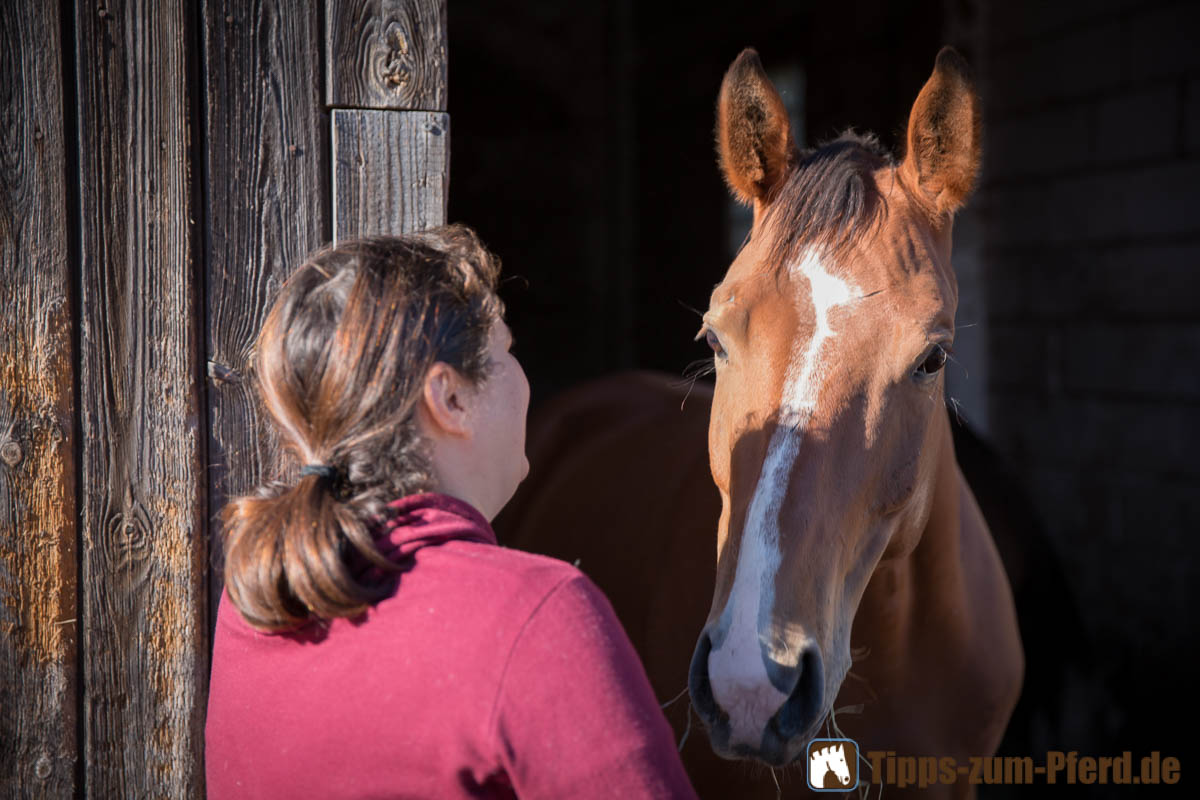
x=714, y=343
x=933, y=362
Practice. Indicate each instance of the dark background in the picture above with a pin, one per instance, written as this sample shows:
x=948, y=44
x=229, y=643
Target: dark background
x=582, y=150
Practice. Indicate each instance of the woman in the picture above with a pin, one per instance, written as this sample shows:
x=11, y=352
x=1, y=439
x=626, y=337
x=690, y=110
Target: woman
x=373, y=640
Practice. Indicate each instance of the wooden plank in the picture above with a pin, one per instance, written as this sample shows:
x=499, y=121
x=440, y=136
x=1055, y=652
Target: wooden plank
x=386, y=54
x=266, y=207
x=38, y=685
x=144, y=549
x=391, y=171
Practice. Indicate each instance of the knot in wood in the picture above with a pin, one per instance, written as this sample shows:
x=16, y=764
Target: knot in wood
x=396, y=70
x=42, y=768
x=397, y=73
x=11, y=453
x=221, y=374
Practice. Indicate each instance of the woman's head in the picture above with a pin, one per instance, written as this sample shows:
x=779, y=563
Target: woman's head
x=476, y=431
x=384, y=359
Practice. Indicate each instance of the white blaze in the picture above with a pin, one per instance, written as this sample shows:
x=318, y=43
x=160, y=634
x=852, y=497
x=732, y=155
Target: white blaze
x=739, y=679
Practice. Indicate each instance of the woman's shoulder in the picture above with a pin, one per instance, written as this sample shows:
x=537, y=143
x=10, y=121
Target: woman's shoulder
x=549, y=597
x=515, y=588
x=514, y=572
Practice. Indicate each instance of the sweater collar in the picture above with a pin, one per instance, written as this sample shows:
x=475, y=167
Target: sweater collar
x=421, y=520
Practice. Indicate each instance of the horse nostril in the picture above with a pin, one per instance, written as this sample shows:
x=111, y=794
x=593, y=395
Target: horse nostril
x=799, y=712
x=699, y=686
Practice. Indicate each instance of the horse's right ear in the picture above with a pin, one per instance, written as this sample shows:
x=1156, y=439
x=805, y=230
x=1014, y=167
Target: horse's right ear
x=754, y=137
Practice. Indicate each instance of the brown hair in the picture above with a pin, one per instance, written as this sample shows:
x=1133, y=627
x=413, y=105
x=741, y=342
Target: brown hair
x=341, y=362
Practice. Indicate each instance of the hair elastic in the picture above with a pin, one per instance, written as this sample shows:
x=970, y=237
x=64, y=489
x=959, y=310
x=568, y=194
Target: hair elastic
x=323, y=470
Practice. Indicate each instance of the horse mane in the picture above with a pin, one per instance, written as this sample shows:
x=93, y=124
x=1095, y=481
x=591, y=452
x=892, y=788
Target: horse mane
x=829, y=199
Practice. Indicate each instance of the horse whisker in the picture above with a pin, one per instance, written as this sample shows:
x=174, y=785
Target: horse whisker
x=866, y=684
x=687, y=729
x=693, y=372
x=699, y=368
x=955, y=405
x=864, y=786
x=675, y=698
x=966, y=372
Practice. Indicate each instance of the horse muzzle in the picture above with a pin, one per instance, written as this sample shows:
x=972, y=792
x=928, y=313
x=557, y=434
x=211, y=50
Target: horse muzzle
x=754, y=706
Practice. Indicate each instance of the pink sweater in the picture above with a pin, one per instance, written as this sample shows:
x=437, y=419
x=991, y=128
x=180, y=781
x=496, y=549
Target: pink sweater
x=490, y=672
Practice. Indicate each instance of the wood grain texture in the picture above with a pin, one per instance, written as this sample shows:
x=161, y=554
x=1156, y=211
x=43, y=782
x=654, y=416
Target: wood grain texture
x=38, y=742
x=266, y=209
x=144, y=549
x=391, y=171
x=386, y=54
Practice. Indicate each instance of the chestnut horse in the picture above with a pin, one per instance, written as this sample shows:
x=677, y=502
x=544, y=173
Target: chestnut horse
x=854, y=571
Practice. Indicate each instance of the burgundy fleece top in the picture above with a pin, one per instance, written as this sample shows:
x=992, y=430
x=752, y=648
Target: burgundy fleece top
x=489, y=672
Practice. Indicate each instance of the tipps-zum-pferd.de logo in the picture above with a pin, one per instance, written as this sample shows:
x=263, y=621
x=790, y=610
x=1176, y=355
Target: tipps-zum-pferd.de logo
x=832, y=765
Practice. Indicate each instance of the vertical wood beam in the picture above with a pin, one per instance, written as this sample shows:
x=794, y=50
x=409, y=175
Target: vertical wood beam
x=265, y=203
x=143, y=532
x=38, y=629
x=386, y=80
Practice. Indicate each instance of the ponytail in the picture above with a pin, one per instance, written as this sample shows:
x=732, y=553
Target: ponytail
x=286, y=557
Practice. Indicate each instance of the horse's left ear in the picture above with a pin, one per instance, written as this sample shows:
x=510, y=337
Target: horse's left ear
x=944, y=136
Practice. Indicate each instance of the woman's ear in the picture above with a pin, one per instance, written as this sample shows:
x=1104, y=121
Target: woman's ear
x=444, y=402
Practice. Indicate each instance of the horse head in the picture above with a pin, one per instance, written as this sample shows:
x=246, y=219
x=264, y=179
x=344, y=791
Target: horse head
x=829, y=331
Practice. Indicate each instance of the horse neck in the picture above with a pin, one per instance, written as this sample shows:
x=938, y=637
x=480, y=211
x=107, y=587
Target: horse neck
x=927, y=581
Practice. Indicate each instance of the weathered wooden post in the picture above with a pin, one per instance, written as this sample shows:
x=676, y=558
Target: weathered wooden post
x=38, y=626
x=143, y=603
x=385, y=67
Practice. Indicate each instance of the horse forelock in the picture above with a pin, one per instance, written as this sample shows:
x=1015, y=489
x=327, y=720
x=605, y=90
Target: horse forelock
x=829, y=200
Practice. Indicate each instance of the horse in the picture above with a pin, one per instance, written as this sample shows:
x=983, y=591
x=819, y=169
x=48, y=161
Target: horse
x=856, y=588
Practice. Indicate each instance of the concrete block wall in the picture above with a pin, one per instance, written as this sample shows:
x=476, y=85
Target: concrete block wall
x=1090, y=228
